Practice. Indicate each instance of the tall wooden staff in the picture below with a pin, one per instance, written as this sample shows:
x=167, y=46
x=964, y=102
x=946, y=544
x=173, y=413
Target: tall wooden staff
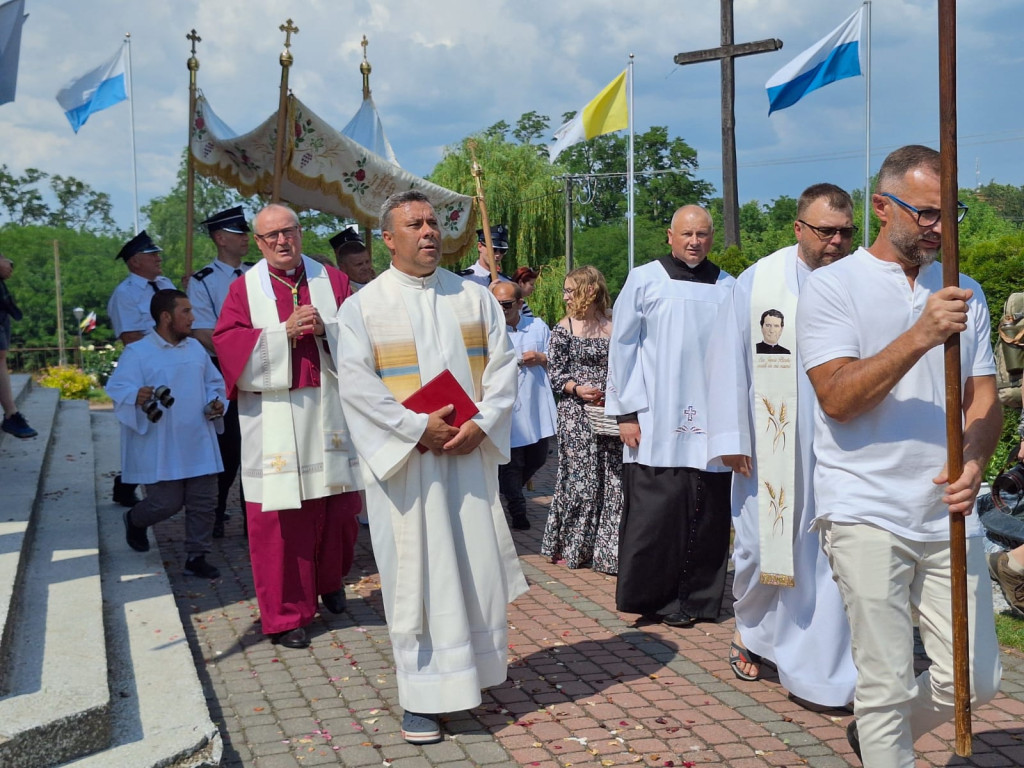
x=485, y=222
x=954, y=407
x=190, y=166
x=282, y=110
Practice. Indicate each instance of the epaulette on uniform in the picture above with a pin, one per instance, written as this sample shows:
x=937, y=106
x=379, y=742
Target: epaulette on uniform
x=465, y=272
x=203, y=273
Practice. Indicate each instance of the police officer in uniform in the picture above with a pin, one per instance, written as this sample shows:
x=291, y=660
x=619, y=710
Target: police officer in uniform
x=128, y=310
x=353, y=257
x=207, y=290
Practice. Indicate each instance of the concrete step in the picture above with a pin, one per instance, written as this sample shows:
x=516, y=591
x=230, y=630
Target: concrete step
x=57, y=704
x=22, y=462
x=159, y=712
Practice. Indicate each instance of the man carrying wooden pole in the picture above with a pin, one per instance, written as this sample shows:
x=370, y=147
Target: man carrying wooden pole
x=871, y=329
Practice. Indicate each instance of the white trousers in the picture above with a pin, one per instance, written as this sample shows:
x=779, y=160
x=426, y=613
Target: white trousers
x=883, y=578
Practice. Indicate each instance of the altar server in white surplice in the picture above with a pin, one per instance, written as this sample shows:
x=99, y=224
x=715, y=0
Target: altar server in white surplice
x=674, y=536
x=169, y=443
x=788, y=608
x=447, y=562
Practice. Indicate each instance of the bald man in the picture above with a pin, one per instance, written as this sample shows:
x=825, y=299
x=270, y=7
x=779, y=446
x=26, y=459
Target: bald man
x=674, y=536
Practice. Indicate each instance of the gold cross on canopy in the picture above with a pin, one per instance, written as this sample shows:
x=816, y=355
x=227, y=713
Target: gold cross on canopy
x=288, y=28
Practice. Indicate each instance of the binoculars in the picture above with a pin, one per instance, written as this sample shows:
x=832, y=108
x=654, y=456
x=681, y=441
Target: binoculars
x=161, y=396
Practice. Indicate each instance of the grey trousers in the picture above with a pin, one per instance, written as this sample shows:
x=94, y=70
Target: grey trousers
x=199, y=497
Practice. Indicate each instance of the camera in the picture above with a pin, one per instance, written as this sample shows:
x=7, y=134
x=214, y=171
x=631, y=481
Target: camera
x=211, y=415
x=161, y=396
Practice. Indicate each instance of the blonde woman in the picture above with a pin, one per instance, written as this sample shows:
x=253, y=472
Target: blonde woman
x=583, y=522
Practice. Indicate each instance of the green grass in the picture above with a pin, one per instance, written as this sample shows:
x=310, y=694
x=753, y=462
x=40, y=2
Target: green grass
x=1010, y=631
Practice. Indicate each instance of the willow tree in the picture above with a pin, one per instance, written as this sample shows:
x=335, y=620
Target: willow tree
x=521, y=192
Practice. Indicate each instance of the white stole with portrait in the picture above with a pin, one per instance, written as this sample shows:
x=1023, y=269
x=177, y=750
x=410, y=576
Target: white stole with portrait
x=775, y=409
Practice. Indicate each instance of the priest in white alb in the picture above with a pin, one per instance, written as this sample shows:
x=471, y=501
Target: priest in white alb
x=448, y=566
x=788, y=609
x=299, y=471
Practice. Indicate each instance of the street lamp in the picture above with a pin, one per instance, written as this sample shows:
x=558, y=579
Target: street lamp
x=79, y=314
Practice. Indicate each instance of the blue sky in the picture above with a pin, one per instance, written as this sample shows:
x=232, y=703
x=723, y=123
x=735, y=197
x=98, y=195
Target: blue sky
x=443, y=73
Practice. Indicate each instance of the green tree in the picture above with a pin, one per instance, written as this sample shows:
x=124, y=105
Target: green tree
x=663, y=171
x=529, y=126
x=80, y=207
x=21, y=201
x=521, y=193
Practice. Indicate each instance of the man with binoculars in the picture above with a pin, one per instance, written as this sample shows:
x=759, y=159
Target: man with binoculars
x=170, y=398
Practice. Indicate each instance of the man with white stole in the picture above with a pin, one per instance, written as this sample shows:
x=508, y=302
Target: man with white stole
x=299, y=471
x=447, y=563
x=788, y=608
x=674, y=536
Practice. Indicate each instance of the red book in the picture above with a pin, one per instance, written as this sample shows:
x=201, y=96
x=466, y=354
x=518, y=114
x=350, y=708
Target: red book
x=440, y=391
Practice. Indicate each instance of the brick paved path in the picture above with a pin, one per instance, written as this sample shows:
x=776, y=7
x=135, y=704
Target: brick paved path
x=586, y=686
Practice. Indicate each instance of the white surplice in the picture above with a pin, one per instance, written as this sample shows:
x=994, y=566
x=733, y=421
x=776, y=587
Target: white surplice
x=447, y=562
x=802, y=629
x=183, y=442
x=656, y=364
x=534, y=415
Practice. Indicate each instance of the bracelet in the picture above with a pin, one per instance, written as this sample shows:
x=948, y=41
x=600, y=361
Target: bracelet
x=574, y=388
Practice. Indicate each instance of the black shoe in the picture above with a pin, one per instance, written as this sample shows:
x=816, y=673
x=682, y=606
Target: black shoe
x=197, y=566
x=218, y=529
x=134, y=535
x=293, y=638
x=678, y=619
x=16, y=425
x=853, y=737
x=335, y=601
x=124, y=493
x=520, y=521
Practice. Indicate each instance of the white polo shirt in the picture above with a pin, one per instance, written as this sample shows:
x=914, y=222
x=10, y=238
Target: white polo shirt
x=878, y=467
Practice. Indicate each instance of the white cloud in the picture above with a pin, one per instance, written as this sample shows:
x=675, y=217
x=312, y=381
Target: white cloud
x=443, y=70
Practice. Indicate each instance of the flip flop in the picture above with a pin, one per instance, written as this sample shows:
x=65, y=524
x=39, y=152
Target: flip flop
x=741, y=655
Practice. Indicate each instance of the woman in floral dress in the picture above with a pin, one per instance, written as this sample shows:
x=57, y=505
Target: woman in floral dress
x=583, y=522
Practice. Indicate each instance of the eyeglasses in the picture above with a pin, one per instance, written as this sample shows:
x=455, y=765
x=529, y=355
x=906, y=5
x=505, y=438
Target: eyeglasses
x=289, y=233
x=508, y=304
x=928, y=217
x=827, y=233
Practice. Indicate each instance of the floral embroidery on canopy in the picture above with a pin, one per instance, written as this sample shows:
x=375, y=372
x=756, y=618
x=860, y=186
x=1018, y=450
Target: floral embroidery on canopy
x=324, y=171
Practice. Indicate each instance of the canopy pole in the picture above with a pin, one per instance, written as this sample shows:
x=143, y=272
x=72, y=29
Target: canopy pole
x=478, y=173
x=190, y=165
x=954, y=400
x=281, y=148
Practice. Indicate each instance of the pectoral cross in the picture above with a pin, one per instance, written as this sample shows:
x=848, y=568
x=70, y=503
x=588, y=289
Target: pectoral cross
x=195, y=39
x=288, y=27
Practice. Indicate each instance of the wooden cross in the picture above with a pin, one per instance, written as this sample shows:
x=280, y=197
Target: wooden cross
x=195, y=39
x=727, y=53
x=288, y=28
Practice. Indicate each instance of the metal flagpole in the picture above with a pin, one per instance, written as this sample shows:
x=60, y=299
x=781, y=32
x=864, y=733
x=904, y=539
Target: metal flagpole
x=630, y=213
x=867, y=127
x=131, y=134
x=190, y=167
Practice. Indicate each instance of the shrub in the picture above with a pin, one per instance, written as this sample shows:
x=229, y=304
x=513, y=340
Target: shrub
x=73, y=383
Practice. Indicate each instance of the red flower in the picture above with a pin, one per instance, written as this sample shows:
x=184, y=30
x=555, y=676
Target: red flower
x=454, y=215
x=200, y=123
x=360, y=174
x=298, y=129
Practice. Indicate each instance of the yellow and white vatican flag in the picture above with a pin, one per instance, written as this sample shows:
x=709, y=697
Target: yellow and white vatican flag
x=606, y=113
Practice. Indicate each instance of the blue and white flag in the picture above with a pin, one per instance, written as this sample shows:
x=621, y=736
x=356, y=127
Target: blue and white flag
x=834, y=57
x=12, y=18
x=96, y=90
